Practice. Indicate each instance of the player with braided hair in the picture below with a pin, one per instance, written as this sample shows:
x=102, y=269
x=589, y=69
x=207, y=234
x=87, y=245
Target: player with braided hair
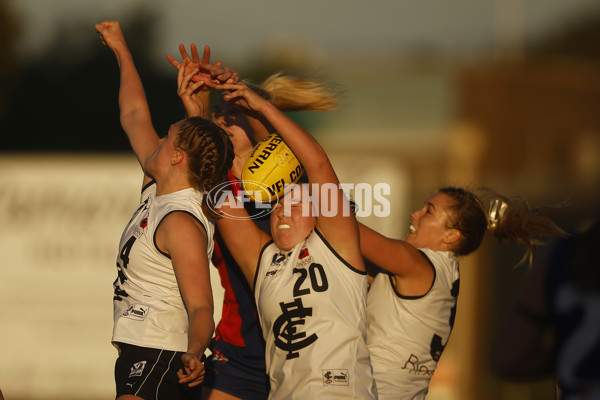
x=206, y=168
x=236, y=367
x=308, y=276
x=411, y=307
x=163, y=306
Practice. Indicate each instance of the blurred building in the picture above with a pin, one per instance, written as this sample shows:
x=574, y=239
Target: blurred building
x=538, y=123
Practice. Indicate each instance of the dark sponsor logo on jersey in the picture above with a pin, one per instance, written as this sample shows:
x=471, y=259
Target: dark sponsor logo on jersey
x=276, y=262
x=136, y=312
x=278, y=258
x=413, y=366
x=335, y=377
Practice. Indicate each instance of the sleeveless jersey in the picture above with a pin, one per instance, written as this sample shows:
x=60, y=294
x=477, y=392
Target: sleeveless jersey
x=406, y=335
x=312, y=309
x=148, y=307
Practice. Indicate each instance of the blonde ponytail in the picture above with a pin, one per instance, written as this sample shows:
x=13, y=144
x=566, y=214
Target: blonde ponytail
x=289, y=93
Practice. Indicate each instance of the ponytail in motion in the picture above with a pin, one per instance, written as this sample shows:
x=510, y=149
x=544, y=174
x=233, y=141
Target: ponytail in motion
x=510, y=220
x=289, y=93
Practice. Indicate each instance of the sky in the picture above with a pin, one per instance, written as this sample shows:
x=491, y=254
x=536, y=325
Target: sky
x=237, y=28
x=326, y=37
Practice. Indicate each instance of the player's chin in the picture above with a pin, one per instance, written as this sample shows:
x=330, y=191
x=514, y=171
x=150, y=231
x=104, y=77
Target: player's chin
x=284, y=243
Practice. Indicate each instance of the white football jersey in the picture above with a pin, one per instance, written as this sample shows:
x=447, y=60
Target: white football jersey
x=312, y=309
x=148, y=307
x=406, y=335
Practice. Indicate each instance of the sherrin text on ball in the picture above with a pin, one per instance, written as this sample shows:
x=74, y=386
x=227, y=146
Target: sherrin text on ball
x=271, y=168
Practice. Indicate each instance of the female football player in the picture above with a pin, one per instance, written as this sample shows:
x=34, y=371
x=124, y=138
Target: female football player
x=236, y=368
x=411, y=307
x=163, y=307
x=308, y=276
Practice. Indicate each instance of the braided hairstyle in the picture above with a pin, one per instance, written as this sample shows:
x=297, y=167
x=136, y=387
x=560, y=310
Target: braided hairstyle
x=510, y=220
x=210, y=156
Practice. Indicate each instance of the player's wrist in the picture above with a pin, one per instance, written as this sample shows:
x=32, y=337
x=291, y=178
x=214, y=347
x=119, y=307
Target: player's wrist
x=191, y=354
x=267, y=109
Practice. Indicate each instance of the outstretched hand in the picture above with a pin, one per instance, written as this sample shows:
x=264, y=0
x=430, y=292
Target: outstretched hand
x=193, y=62
x=188, y=91
x=211, y=74
x=193, y=374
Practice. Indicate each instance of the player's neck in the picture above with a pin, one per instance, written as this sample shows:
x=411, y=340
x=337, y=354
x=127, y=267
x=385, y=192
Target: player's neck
x=171, y=185
x=238, y=166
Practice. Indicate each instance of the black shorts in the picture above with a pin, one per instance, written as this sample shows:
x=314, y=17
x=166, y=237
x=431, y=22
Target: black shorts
x=151, y=374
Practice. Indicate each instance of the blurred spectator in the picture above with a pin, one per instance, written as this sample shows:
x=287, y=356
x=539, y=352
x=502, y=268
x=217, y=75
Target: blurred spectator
x=554, y=327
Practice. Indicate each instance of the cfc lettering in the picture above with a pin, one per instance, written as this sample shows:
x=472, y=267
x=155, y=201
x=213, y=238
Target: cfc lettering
x=288, y=337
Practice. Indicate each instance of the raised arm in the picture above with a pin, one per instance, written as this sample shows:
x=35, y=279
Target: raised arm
x=340, y=229
x=134, y=111
x=204, y=77
x=261, y=129
x=190, y=93
x=199, y=97
x=196, y=95
x=398, y=257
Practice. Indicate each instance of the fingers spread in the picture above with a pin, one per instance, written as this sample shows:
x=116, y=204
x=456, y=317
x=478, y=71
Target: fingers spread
x=184, y=54
x=195, y=57
x=173, y=61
